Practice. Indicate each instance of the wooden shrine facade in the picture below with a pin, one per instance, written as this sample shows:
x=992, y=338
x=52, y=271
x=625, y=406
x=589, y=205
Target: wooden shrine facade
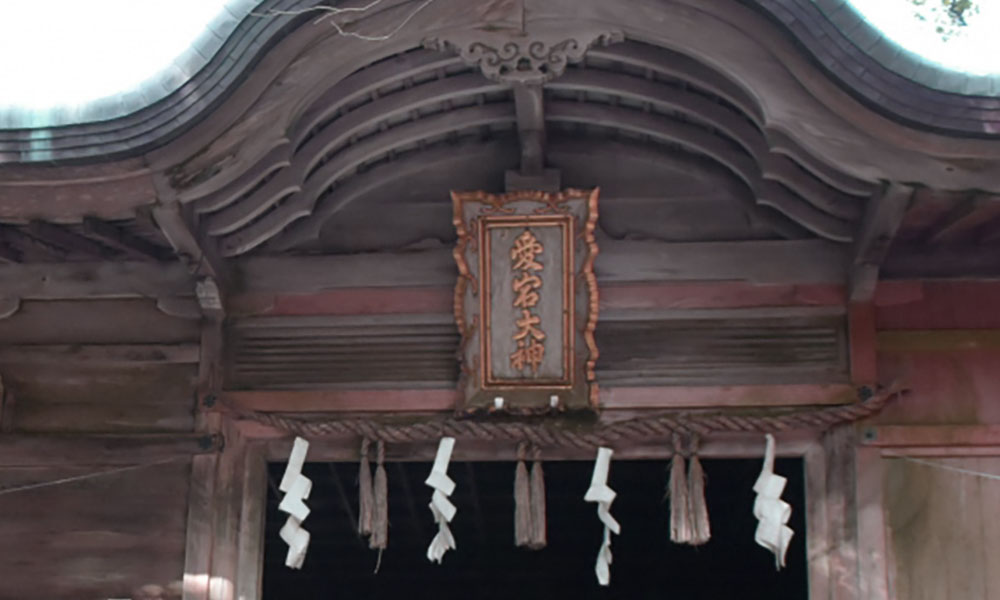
x=787, y=223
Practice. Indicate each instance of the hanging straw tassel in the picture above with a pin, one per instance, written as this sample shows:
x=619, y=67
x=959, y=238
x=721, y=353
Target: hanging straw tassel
x=701, y=531
x=522, y=501
x=380, y=513
x=680, y=518
x=365, y=492
x=539, y=537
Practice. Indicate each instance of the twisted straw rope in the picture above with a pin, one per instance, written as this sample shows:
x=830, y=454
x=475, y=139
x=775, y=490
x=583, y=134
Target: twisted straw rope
x=545, y=434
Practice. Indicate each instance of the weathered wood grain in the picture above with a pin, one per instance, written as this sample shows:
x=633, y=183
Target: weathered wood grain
x=105, y=321
x=33, y=450
x=94, y=280
x=841, y=494
x=55, y=397
x=101, y=538
x=99, y=354
x=942, y=537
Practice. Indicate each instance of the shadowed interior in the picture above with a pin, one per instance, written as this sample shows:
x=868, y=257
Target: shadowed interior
x=487, y=565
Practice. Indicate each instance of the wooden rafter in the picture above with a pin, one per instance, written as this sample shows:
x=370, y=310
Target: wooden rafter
x=881, y=220
x=60, y=237
x=199, y=254
x=964, y=219
x=21, y=243
x=126, y=243
x=9, y=254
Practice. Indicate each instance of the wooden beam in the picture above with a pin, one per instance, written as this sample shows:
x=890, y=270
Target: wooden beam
x=911, y=436
x=938, y=340
x=24, y=450
x=883, y=216
x=909, y=261
x=612, y=398
x=873, y=563
x=678, y=300
x=92, y=280
x=201, y=254
x=715, y=445
x=129, y=245
x=841, y=498
x=760, y=262
x=529, y=107
x=100, y=354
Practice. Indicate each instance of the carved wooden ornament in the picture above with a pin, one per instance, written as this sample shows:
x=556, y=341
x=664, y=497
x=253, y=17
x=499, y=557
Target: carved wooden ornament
x=526, y=300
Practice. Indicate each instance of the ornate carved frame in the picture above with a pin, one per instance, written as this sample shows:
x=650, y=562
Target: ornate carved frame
x=471, y=239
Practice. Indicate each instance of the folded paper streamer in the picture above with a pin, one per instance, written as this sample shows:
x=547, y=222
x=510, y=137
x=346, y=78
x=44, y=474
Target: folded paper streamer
x=442, y=508
x=603, y=495
x=771, y=511
x=296, y=487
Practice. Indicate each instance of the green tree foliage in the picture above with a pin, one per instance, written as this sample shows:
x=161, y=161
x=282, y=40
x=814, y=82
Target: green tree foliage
x=948, y=17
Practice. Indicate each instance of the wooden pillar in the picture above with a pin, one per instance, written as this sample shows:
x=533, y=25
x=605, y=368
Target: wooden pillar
x=841, y=516
x=872, y=562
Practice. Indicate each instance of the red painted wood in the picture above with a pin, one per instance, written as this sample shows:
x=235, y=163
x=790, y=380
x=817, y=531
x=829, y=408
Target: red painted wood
x=863, y=343
x=888, y=436
x=439, y=400
x=942, y=305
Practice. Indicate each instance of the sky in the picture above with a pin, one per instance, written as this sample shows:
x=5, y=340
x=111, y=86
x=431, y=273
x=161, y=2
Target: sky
x=976, y=49
x=68, y=52
x=57, y=53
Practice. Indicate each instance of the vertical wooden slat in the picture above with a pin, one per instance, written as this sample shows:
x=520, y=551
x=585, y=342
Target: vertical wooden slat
x=817, y=524
x=872, y=567
x=251, y=545
x=840, y=486
x=198, y=552
x=227, y=505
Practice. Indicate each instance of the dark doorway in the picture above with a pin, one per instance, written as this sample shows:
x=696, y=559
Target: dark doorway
x=486, y=564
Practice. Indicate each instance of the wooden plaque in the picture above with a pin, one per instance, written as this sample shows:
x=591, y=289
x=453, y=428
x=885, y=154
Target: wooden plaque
x=526, y=300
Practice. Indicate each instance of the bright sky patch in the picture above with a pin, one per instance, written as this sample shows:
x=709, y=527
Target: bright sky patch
x=973, y=49
x=58, y=53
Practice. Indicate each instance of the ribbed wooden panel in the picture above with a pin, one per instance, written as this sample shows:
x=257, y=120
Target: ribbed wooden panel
x=747, y=351
x=315, y=352
x=420, y=351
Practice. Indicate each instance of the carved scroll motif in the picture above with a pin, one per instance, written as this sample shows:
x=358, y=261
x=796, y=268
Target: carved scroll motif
x=514, y=57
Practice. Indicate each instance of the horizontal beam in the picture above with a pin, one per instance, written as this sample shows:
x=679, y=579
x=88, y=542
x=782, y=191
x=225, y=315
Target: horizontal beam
x=938, y=340
x=780, y=263
x=716, y=445
x=616, y=300
x=612, y=398
x=101, y=354
x=57, y=281
x=915, y=436
x=759, y=262
x=24, y=450
x=909, y=261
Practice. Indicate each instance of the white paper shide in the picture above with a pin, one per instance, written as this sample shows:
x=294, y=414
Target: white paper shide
x=441, y=507
x=296, y=487
x=603, y=495
x=771, y=511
